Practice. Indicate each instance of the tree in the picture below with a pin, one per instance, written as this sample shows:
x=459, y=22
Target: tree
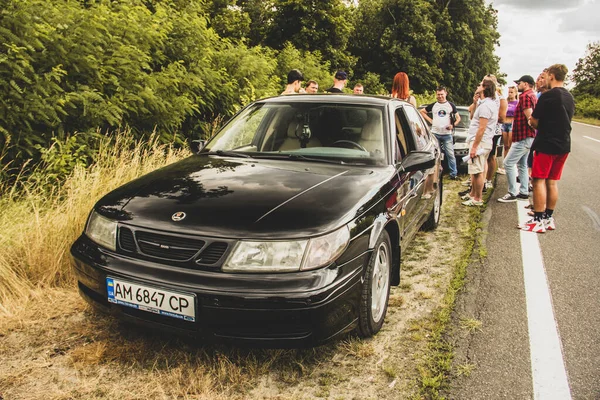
x=467, y=33
x=586, y=74
x=441, y=42
x=397, y=35
x=313, y=25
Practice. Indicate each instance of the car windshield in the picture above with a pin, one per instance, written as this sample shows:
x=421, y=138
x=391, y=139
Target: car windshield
x=343, y=133
x=465, y=119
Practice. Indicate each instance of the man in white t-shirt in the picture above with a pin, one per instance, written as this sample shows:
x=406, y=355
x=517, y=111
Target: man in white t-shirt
x=480, y=137
x=445, y=118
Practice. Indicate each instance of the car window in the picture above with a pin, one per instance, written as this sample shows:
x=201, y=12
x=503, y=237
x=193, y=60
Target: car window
x=347, y=132
x=404, y=139
x=420, y=133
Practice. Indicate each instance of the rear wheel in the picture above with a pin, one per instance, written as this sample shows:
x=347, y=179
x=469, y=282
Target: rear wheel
x=376, y=288
x=434, y=217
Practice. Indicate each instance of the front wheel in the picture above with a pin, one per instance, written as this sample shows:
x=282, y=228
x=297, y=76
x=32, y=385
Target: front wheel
x=376, y=288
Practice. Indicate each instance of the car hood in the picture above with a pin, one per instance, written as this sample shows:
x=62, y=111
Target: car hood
x=247, y=198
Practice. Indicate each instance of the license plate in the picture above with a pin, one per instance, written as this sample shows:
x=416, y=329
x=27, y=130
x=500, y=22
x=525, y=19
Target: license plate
x=147, y=298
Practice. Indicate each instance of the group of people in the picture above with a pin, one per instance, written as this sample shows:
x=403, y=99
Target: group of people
x=535, y=129
x=340, y=79
x=400, y=85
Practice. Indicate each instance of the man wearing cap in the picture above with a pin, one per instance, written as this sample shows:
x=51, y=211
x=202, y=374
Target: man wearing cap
x=523, y=135
x=339, y=82
x=294, y=82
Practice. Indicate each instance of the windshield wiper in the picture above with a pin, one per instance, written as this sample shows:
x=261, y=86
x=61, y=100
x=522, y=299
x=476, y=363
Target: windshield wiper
x=300, y=157
x=229, y=153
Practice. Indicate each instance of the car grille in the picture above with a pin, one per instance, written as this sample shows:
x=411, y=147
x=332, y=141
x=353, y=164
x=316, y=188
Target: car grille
x=168, y=247
x=193, y=251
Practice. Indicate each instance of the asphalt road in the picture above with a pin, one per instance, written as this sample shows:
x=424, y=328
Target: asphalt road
x=512, y=355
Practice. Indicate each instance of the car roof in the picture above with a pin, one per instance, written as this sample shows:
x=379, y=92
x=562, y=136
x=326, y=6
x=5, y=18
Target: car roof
x=457, y=107
x=333, y=98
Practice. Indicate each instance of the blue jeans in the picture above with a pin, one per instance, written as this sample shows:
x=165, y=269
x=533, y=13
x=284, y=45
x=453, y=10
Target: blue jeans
x=516, y=158
x=447, y=145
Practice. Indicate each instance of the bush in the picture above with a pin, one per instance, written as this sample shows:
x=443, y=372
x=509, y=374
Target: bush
x=587, y=106
x=78, y=66
x=310, y=64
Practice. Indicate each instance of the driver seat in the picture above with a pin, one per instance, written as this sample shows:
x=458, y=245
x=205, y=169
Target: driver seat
x=292, y=142
x=371, y=137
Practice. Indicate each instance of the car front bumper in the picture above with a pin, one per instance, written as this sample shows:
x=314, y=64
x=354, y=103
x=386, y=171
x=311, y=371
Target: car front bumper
x=272, y=310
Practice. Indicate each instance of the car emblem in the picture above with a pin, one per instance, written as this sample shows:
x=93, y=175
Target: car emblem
x=178, y=216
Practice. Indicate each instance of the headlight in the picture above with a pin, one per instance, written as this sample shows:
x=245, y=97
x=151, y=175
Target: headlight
x=288, y=256
x=102, y=231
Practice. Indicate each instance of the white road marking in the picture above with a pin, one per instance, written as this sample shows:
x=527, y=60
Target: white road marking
x=581, y=123
x=547, y=366
x=593, y=216
x=591, y=138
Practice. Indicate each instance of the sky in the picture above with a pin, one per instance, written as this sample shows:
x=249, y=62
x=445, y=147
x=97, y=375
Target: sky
x=538, y=33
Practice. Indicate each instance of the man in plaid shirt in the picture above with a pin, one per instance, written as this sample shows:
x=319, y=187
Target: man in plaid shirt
x=523, y=135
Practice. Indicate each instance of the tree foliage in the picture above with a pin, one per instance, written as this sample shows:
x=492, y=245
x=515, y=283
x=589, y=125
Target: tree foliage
x=173, y=66
x=586, y=74
x=467, y=33
x=441, y=42
x=586, y=77
x=82, y=66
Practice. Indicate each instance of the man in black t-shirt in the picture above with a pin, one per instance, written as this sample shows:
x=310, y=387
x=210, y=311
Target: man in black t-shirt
x=552, y=118
x=339, y=82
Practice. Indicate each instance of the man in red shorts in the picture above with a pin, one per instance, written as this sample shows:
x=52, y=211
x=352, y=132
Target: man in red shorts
x=552, y=118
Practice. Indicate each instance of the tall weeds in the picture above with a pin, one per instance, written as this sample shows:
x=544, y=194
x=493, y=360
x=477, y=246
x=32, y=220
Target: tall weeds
x=39, y=220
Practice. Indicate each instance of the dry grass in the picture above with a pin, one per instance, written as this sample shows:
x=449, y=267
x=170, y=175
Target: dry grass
x=53, y=346
x=38, y=225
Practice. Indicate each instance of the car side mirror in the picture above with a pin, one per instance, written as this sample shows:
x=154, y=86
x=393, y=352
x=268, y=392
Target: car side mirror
x=418, y=160
x=197, y=145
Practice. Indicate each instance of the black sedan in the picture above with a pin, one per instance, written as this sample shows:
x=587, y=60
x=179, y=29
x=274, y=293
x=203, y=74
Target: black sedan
x=284, y=229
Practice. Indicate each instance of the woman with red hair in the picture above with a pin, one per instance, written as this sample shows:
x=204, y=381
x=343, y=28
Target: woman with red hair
x=401, y=88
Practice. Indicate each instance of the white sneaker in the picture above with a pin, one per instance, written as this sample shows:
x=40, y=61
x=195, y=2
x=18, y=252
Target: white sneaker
x=549, y=224
x=472, y=203
x=507, y=198
x=533, y=226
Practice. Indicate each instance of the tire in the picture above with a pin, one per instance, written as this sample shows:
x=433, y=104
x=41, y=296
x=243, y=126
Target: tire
x=433, y=219
x=376, y=288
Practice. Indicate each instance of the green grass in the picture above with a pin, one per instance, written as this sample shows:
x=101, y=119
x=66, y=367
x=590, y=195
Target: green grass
x=435, y=367
x=585, y=120
x=465, y=370
x=470, y=324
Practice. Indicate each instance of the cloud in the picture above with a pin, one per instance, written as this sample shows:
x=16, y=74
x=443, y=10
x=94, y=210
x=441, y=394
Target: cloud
x=540, y=4
x=583, y=19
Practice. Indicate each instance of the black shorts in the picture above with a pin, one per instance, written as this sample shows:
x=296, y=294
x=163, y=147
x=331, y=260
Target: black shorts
x=494, y=144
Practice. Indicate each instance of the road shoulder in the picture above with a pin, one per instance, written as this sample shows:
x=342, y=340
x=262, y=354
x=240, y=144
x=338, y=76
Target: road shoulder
x=489, y=323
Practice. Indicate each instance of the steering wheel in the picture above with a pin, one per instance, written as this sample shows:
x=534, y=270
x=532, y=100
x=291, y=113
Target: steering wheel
x=350, y=142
